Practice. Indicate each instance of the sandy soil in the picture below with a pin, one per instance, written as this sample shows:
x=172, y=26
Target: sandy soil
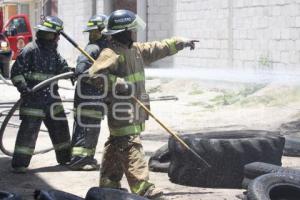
x=202, y=106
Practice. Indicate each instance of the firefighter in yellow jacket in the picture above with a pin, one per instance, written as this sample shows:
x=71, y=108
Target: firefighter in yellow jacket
x=124, y=60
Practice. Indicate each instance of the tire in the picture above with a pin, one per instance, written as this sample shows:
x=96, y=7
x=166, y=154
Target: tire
x=292, y=146
x=274, y=186
x=54, y=195
x=9, y=196
x=246, y=182
x=256, y=169
x=97, y=193
x=227, y=153
x=160, y=161
x=253, y=170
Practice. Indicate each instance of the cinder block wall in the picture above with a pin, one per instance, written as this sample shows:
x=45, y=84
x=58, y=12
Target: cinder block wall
x=75, y=17
x=252, y=34
x=206, y=21
x=266, y=34
x=160, y=24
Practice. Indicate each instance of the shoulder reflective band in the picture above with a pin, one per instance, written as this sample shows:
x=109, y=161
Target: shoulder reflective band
x=83, y=152
x=24, y=150
x=53, y=26
x=171, y=43
x=136, y=77
x=128, y=130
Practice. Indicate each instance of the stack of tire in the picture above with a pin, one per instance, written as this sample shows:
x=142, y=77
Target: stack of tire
x=227, y=152
x=264, y=181
x=94, y=193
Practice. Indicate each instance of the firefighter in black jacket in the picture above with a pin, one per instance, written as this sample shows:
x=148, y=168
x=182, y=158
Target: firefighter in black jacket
x=38, y=61
x=88, y=103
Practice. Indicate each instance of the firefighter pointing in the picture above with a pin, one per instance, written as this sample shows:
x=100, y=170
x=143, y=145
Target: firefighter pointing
x=125, y=59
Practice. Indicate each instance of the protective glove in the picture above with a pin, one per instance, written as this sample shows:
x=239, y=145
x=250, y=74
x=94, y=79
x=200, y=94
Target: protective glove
x=190, y=43
x=24, y=90
x=123, y=89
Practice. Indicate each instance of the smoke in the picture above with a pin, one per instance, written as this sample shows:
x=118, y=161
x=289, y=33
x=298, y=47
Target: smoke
x=228, y=75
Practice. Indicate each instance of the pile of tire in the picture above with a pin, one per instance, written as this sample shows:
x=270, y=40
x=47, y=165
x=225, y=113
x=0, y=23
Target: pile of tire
x=264, y=181
x=94, y=193
x=227, y=152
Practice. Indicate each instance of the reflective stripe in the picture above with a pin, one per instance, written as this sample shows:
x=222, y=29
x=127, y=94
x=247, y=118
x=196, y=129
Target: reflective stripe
x=112, y=78
x=121, y=58
x=128, y=26
x=54, y=26
x=141, y=187
x=89, y=113
x=136, y=77
x=32, y=112
x=24, y=150
x=172, y=45
x=83, y=152
x=18, y=78
x=105, y=182
x=91, y=24
x=38, y=76
x=61, y=146
x=57, y=109
x=128, y=130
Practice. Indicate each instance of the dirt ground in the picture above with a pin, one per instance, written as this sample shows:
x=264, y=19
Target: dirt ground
x=201, y=106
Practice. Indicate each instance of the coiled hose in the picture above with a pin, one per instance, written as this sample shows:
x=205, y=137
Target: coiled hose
x=16, y=105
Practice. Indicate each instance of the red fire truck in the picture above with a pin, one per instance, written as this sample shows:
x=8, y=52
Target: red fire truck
x=15, y=34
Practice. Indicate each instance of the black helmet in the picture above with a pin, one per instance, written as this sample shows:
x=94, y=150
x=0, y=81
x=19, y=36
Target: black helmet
x=96, y=22
x=121, y=20
x=51, y=24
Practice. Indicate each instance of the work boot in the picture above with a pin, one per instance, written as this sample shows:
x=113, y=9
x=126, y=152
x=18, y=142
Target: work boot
x=83, y=164
x=19, y=170
x=152, y=192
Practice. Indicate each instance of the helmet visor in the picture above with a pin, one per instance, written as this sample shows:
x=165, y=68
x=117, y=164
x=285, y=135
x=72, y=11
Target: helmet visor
x=138, y=24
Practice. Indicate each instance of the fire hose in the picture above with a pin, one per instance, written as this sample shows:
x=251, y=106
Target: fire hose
x=17, y=104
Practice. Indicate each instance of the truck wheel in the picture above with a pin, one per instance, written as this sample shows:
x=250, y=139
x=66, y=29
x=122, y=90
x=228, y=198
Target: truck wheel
x=9, y=196
x=226, y=152
x=274, y=186
x=97, y=193
x=54, y=195
x=160, y=161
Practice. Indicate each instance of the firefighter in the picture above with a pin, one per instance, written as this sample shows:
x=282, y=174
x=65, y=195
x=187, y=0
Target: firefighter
x=125, y=59
x=38, y=61
x=87, y=102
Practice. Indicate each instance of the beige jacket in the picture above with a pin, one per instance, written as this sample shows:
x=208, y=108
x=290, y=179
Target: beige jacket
x=128, y=64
